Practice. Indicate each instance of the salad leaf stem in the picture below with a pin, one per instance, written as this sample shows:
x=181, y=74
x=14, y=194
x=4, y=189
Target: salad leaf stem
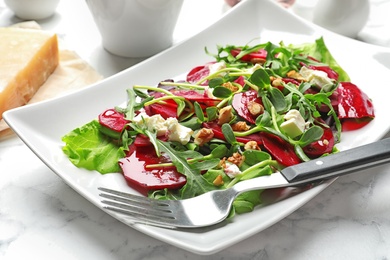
x=157, y=89
x=218, y=152
x=217, y=73
x=251, y=85
x=259, y=165
x=274, y=120
x=183, y=84
x=158, y=100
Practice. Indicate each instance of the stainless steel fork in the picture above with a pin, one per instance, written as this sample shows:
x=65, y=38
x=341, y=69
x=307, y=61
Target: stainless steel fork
x=213, y=207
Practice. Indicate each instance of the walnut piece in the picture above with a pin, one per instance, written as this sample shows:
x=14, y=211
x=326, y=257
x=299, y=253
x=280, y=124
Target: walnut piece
x=295, y=75
x=237, y=159
x=252, y=145
x=225, y=115
x=240, y=126
x=255, y=108
x=203, y=136
x=230, y=86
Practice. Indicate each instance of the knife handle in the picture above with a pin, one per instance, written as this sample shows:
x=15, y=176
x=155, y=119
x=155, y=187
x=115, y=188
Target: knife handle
x=341, y=163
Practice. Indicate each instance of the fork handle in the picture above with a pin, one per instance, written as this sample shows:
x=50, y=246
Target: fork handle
x=341, y=163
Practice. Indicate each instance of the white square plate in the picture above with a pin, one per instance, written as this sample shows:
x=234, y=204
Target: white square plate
x=42, y=125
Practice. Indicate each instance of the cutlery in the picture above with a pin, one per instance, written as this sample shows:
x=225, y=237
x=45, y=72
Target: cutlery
x=213, y=207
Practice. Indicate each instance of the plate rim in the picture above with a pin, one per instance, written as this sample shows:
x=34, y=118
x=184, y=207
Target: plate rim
x=14, y=117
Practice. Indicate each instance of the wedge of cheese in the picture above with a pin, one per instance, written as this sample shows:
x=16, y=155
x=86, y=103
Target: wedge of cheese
x=27, y=58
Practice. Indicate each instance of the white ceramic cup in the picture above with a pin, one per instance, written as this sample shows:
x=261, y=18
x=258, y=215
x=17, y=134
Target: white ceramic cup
x=32, y=9
x=135, y=28
x=346, y=17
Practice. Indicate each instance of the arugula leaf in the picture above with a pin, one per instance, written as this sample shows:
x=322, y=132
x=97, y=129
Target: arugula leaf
x=196, y=184
x=205, y=165
x=130, y=104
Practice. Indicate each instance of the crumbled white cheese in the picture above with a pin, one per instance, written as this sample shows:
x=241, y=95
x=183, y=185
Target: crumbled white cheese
x=158, y=123
x=253, y=68
x=170, y=126
x=294, y=124
x=178, y=132
x=214, y=67
x=231, y=170
x=317, y=77
x=152, y=123
x=140, y=119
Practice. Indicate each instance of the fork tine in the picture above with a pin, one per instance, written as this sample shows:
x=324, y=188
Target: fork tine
x=163, y=207
x=145, y=210
x=139, y=210
x=129, y=196
x=144, y=219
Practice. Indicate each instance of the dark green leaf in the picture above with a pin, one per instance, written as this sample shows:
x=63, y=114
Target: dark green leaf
x=215, y=82
x=181, y=105
x=211, y=113
x=219, y=152
x=246, y=201
x=277, y=99
x=264, y=119
x=194, y=123
x=228, y=133
x=257, y=173
x=253, y=157
x=199, y=112
x=260, y=78
x=312, y=134
x=300, y=153
x=222, y=92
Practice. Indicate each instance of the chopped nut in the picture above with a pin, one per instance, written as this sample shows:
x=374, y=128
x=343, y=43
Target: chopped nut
x=255, y=108
x=258, y=61
x=325, y=141
x=203, y=136
x=225, y=115
x=222, y=162
x=237, y=159
x=295, y=75
x=240, y=126
x=218, y=181
x=230, y=86
x=252, y=145
x=277, y=82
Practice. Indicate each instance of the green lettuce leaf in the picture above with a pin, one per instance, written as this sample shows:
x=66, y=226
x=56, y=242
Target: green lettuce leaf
x=88, y=148
x=319, y=51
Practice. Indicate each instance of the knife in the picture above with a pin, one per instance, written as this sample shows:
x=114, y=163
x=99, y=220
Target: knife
x=323, y=168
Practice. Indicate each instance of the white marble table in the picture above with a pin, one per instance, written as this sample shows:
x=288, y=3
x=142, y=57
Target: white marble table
x=42, y=218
